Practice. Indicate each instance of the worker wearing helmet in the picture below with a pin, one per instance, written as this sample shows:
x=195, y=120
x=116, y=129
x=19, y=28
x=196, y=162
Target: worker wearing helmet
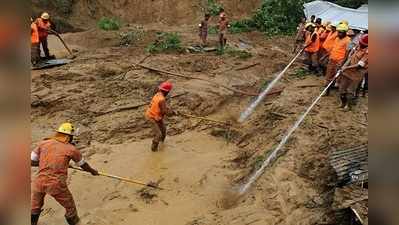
x=52, y=156
x=35, y=42
x=353, y=74
x=156, y=113
x=44, y=25
x=312, y=47
x=338, y=53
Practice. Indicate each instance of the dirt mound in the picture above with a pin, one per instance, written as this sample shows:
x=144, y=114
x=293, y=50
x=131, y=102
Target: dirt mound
x=86, y=13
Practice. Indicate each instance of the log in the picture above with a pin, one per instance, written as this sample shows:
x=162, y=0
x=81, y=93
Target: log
x=247, y=66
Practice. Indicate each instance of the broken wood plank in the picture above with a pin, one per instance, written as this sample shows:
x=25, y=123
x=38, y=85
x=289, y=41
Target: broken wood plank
x=278, y=114
x=247, y=66
x=206, y=119
x=198, y=78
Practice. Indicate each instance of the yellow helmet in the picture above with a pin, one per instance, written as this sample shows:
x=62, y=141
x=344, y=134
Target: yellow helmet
x=342, y=27
x=45, y=16
x=309, y=24
x=66, y=128
x=344, y=22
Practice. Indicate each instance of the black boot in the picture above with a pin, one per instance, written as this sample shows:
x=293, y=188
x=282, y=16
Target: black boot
x=73, y=220
x=344, y=100
x=154, y=146
x=34, y=219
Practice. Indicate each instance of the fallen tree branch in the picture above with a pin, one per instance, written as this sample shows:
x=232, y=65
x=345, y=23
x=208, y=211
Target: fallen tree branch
x=197, y=78
x=247, y=66
x=206, y=119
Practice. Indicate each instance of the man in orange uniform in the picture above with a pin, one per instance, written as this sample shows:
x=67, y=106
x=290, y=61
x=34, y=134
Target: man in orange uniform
x=353, y=74
x=44, y=25
x=312, y=46
x=35, y=43
x=156, y=113
x=338, y=53
x=52, y=156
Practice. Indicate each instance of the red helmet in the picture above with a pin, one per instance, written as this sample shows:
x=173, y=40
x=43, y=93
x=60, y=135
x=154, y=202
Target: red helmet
x=364, y=40
x=166, y=86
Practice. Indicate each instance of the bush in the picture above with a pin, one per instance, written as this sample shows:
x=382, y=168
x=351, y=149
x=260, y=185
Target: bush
x=242, y=26
x=165, y=42
x=234, y=52
x=277, y=17
x=109, y=24
x=213, y=30
x=214, y=7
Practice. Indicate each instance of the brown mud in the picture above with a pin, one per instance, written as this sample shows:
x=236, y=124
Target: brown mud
x=202, y=162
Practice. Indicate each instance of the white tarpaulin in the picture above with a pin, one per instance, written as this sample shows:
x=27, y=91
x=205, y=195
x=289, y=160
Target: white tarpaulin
x=358, y=18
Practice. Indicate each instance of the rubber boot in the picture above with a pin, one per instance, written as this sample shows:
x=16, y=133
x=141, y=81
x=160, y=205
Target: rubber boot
x=73, y=220
x=34, y=219
x=344, y=100
x=351, y=102
x=154, y=146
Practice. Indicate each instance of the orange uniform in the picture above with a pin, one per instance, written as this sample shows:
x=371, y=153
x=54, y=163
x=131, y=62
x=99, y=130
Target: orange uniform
x=34, y=33
x=329, y=42
x=54, y=157
x=154, y=111
x=338, y=52
x=312, y=46
x=43, y=28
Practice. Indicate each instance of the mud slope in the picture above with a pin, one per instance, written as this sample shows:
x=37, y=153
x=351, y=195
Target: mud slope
x=84, y=13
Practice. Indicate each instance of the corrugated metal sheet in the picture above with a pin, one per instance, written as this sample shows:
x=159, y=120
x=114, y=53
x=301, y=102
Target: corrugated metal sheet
x=351, y=165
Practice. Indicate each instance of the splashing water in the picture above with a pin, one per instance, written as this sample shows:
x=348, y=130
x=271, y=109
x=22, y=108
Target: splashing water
x=260, y=98
x=273, y=155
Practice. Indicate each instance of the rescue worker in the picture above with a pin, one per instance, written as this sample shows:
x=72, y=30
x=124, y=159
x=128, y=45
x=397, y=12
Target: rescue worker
x=35, y=43
x=223, y=26
x=52, y=156
x=203, y=30
x=327, y=45
x=312, y=19
x=352, y=75
x=338, y=54
x=319, y=26
x=300, y=35
x=44, y=25
x=156, y=114
x=312, y=46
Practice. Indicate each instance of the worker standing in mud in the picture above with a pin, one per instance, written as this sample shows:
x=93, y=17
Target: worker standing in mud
x=338, y=54
x=312, y=46
x=35, y=43
x=353, y=74
x=156, y=113
x=203, y=30
x=52, y=156
x=44, y=25
x=223, y=26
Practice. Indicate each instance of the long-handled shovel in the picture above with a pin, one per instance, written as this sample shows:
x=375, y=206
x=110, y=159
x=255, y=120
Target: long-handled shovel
x=123, y=179
x=63, y=42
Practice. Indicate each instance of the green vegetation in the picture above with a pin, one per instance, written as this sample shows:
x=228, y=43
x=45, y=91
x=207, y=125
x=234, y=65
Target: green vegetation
x=212, y=30
x=242, y=26
x=214, y=7
x=109, y=24
x=351, y=3
x=277, y=17
x=301, y=73
x=234, y=52
x=166, y=42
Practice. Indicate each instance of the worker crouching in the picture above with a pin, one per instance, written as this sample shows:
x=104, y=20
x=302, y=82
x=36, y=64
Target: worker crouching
x=52, y=156
x=353, y=74
x=156, y=113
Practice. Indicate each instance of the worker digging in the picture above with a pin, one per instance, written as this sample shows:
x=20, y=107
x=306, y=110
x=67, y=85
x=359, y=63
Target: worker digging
x=52, y=156
x=205, y=107
x=156, y=114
